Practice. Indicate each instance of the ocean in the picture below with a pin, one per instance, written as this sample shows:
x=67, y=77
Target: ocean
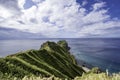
x=98, y=52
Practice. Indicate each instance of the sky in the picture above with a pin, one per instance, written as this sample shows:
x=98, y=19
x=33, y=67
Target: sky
x=59, y=19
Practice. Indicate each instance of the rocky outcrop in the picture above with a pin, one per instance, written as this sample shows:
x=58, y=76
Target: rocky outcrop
x=51, y=59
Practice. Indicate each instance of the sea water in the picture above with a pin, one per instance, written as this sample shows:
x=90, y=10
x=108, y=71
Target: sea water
x=101, y=52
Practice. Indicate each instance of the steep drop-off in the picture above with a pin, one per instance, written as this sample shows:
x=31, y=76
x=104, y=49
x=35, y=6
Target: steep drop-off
x=51, y=59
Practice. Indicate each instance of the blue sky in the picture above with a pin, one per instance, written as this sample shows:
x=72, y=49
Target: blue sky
x=112, y=5
x=59, y=18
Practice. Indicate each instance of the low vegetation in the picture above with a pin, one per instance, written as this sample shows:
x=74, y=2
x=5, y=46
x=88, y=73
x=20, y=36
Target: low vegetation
x=91, y=76
x=52, y=61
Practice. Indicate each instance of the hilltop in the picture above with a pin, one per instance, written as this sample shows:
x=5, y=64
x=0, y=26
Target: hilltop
x=51, y=59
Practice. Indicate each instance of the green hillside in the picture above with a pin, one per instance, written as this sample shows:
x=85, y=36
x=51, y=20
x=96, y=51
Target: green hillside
x=51, y=59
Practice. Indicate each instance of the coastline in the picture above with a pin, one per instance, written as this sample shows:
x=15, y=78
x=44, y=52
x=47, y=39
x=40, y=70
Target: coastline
x=86, y=69
x=56, y=60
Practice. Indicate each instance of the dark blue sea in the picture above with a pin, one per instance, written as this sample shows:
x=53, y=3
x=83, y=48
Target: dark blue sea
x=101, y=52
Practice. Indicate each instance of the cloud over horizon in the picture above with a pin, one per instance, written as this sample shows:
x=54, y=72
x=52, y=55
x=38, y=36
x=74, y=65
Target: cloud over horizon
x=59, y=19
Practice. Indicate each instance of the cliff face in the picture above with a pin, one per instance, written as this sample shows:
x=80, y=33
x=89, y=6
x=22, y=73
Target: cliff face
x=51, y=59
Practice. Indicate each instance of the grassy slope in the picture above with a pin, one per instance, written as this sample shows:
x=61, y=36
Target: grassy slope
x=91, y=76
x=51, y=59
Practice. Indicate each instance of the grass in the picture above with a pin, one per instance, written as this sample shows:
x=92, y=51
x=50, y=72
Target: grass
x=52, y=61
x=101, y=76
x=91, y=76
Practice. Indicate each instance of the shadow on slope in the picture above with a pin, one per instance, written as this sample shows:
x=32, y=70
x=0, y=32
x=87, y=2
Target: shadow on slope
x=51, y=59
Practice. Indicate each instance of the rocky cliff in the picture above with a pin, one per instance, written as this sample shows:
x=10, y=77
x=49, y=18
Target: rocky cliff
x=51, y=59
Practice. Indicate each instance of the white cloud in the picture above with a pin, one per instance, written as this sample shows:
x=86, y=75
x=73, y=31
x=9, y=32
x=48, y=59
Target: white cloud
x=64, y=18
x=99, y=29
x=4, y=13
x=96, y=16
x=21, y=4
x=99, y=5
x=85, y=2
x=9, y=9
